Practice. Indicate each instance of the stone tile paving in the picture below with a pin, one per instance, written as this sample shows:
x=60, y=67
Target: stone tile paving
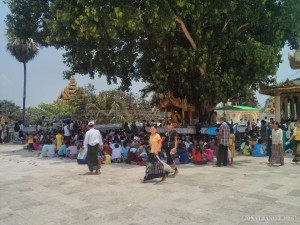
x=40, y=191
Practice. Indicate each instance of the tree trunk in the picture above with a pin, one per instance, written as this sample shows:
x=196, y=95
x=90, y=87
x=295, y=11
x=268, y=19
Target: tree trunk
x=205, y=108
x=24, y=93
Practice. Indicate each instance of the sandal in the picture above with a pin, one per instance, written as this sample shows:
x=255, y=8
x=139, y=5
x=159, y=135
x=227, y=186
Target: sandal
x=142, y=181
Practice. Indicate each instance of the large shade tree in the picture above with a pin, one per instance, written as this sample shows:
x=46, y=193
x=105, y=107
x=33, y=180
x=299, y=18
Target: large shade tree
x=23, y=51
x=208, y=51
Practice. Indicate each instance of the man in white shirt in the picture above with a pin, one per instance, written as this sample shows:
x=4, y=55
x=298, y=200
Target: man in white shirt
x=67, y=132
x=21, y=131
x=92, y=141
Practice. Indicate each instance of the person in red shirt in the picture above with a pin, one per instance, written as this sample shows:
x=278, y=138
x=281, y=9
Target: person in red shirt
x=107, y=148
x=197, y=155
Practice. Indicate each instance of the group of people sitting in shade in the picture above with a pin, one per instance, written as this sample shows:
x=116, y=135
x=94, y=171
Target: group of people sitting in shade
x=120, y=146
x=135, y=152
x=132, y=146
x=54, y=145
x=255, y=149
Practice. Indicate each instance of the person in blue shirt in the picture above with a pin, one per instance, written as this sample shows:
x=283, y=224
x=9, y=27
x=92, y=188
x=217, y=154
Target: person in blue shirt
x=259, y=149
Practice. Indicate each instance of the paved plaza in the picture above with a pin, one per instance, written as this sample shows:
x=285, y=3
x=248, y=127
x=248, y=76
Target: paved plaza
x=37, y=191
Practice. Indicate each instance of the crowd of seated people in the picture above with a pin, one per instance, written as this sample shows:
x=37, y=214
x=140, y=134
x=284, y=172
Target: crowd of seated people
x=120, y=146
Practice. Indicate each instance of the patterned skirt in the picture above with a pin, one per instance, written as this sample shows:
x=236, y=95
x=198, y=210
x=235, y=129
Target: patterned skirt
x=297, y=152
x=277, y=154
x=154, y=167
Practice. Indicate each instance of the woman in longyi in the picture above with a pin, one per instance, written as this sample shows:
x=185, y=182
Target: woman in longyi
x=155, y=168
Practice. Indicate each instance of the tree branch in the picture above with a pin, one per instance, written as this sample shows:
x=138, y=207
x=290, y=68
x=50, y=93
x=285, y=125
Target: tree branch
x=202, y=69
x=243, y=27
x=225, y=25
x=186, y=33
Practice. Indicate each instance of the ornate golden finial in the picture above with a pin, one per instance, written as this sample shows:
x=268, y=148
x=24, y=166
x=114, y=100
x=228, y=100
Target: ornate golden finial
x=68, y=91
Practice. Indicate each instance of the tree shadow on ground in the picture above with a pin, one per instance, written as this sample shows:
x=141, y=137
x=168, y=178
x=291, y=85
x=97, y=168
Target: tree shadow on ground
x=24, y=153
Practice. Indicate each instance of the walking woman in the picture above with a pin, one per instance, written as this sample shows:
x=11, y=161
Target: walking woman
x=269, y=139
x=296, y=137
x=277, y=146
x=170, y=143
x=154, y=168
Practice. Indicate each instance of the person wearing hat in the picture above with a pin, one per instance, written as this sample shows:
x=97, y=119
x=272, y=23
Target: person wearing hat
x=92, y=141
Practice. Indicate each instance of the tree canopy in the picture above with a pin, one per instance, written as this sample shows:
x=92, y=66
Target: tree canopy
x=208, y=51
x=9, y=109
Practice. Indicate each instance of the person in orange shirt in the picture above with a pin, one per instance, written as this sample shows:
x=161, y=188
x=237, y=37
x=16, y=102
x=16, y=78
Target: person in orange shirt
x=154, y=167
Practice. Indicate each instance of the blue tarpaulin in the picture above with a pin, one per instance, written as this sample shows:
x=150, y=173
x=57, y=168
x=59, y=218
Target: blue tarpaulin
x=211, y=131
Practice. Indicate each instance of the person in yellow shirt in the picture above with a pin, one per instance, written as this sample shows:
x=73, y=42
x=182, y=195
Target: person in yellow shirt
x=106, y=158
x=296, y=137
x=59, y=139
x=30, y=143
x=247, y=149
x=231, y=145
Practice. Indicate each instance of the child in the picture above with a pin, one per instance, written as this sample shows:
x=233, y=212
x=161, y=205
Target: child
x=59, y=139
x=30, y=143
x=36, y=145
x=106, y=158
x=247, y=149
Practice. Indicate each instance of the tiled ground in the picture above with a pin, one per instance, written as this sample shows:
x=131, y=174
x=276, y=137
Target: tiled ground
x=37, y=191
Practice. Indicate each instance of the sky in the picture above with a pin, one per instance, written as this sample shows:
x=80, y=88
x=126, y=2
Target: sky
x=45, y=74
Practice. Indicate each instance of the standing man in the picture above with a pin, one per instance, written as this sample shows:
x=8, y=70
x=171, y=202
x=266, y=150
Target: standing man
x=67, y=131
x=21, y=131
x=92, y=141
x=170, y=144
x=224, y=141
x=1, y=139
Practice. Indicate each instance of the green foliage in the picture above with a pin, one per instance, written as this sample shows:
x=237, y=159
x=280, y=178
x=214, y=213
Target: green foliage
x=49, y=112
x=111, y=106
x=27, y=19
x=248, y=99
x=9, y=109
x=208, y=51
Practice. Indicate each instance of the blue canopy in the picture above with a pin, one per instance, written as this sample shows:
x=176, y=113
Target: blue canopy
x=211, y=131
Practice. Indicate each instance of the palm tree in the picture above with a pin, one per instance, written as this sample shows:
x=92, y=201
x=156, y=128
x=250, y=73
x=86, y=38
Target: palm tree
x=23, y=51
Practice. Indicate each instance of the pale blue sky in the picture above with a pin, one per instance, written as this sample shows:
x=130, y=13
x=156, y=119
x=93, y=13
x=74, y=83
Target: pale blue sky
x=45, y=78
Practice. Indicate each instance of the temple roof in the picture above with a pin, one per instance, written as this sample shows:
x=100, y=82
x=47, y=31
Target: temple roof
x=169, y=101
x=68, y=91
x=288, y=86
x=295, y=60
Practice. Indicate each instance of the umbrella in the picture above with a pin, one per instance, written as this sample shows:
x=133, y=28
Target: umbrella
x=211, y=131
